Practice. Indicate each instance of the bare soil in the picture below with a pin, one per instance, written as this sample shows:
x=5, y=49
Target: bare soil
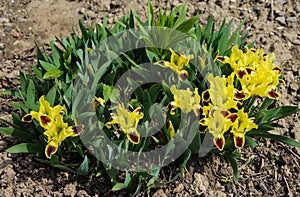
x=271, y=169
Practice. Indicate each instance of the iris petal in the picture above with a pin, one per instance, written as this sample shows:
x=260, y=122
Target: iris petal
x=27, y=118
x=220, y=142
x=51, y=149
x=134, y=137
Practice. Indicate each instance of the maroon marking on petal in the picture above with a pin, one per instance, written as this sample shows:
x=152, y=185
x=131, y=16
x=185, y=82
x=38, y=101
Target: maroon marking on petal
x=134, y=137
x=232, y=117
x=204, y=103
x=249, y=70
x=241, y=73
x=281, y=81
x=45, y=119
x=239, y=95
x=202, y=128
x=161, y=63
x=184, y=75
x=239, y=104
x=170, y=106
x=27, y=118
x=77, y=129
x=139, y=111
x=221, y=59
x=202, y=122
x=212, y=112
x=199, y=111
x=219, y=143
x=239, y=142
x=273, y=94
x=50, y=150
x=277, y=69
x=225, y=113
x=253, y=50
x=206, y=96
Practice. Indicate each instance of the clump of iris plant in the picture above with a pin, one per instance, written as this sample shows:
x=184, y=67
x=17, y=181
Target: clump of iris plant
x=220, y=87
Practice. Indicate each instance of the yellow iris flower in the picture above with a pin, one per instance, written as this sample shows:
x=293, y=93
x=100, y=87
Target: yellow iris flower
x=255, y=71
x=128, y=122
x=51, y=119
x=241, y=126
x=217, y=123
x=178, y=62
x=186, y=100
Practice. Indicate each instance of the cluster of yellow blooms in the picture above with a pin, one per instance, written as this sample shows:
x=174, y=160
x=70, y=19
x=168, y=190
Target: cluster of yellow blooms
x=51, y=119
x=255, y=71
x=219, y=108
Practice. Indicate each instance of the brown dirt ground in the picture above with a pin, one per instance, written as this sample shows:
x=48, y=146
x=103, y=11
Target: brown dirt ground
x=271, y=169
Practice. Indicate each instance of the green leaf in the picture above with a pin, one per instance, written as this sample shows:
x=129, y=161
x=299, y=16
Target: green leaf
x=15, y=93
x=55, y=163
x=31, y=93
x=47, y=66
x=267, y=102
x=120, y=186
x=51, y=95
x=188, y=24
x=154, y=173
x=250, y=142
x=232, y=161
x=37, y=72
x=279, y=112
x=83, y=30
x=186, y=156
x=279, y=138
x=23, y=81
x=150, y=14
x=26, y=148
x=130, y=60
x=53, y=74
x=56, y=54
x=110, y=93
x=17, y=133
x=154, y=91
x=112, y=173
x=84, y=167
x=182, y=15
x=68, y=95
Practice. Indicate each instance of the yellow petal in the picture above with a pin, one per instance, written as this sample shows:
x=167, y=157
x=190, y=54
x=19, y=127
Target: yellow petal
x=45, y=107
x=99, y=101
x=171, y=131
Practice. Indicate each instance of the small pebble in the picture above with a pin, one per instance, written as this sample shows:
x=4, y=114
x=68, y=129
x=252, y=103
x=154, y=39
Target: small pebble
x=4, y=20
x=291, y=19
x=293, y=38
x=282, y=2
x=82, y=11
x=294, y=86
x=2, y=46
x=297, y=8
x=280, y=20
